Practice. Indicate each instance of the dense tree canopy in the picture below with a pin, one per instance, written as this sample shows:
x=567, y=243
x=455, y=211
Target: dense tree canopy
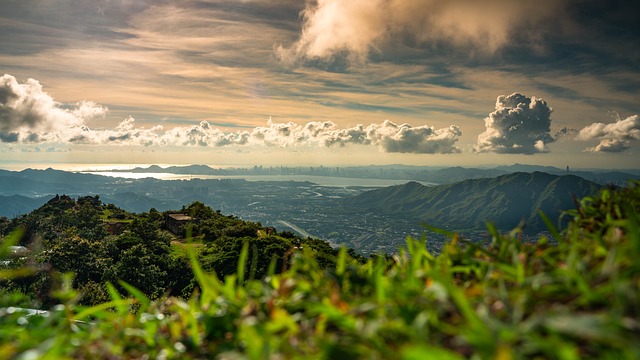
x=101, y=243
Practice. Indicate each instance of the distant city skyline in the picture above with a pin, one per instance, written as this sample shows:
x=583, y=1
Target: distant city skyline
x=327, y=82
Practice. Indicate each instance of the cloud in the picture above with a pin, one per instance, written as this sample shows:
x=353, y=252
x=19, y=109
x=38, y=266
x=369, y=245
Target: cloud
x=26, y=107
x=403, y=138
x=565, y=132
x=358, y=27
x=610, y=145
x=628, y=128
x=9, y=137
x=519, y=125
x=30, y=116
x=387, y=136
x=614, y=137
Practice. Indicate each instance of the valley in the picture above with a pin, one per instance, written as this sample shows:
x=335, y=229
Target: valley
x=370, y=219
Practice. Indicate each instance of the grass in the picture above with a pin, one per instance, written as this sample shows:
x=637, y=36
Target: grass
x=107, y=216
x=181, y=249
x=573, y=296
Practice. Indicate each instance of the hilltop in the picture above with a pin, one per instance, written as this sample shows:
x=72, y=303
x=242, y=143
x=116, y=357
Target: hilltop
x=102, y=243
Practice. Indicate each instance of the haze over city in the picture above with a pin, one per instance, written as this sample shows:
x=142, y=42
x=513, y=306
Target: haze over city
x=327, y=82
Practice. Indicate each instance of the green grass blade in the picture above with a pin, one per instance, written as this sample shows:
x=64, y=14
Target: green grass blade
x=341, y=264
x=437, y=230
x=118, y=304
x=9, y=241
x=16, y=273
x=115, y=296
x=424, y=352
x=242, y=262
x=254, y=261
x=379, y=281
x=143, y=300
x=633, y=228
x=209, y=283
x=272, y=265
x=549, y=224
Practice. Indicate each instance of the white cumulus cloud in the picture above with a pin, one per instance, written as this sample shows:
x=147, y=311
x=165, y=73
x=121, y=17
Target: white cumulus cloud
x=26, y=110
x=387, y=136
x=519, y=125
x=404, y=138
x=614, y=137
x=29, y=115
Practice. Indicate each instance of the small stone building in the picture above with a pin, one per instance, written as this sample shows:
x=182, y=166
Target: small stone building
x=176, y=222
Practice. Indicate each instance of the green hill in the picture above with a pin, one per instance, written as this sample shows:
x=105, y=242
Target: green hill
x=504, y=200
x=102, y=243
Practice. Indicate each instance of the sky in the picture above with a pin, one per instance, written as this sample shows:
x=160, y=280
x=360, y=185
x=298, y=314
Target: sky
x=326, y=82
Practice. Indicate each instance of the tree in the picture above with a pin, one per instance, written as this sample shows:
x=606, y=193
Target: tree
x=86, y=258
x=142, y=262
x=199, y=210
x=5, y=224
x=141, y=268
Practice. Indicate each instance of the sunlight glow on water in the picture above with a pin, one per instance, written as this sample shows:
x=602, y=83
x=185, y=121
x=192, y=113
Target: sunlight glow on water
x=319, y=180
x=103, y=169
x=87, y=167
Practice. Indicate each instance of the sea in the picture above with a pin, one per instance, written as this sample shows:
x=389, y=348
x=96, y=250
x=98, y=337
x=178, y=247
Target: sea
x=104, y=170
x=318, y=180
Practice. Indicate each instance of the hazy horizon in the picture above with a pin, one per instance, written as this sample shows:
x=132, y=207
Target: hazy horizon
x=326, y=82
x=92, y=167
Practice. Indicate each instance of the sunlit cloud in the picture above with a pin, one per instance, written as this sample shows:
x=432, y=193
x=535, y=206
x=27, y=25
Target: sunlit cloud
x=519, y=125
x=614, y=137
x=360, y=27
x=387, y=136
x=30, y=115
x=395, y=138
x=610, y=145
x=26, y=107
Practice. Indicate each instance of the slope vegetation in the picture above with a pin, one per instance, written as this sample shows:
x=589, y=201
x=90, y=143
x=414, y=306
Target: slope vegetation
x=505, y=200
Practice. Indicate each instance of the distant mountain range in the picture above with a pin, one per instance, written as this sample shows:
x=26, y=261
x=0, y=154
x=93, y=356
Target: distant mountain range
x=14, y=205
x=456, y=174
x=32, y=182
x=182, y=170
x=504, y=200
x=436, y=175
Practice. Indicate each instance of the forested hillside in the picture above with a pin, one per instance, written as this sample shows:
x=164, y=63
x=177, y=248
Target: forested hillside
x=102, y=243
x=505, y=200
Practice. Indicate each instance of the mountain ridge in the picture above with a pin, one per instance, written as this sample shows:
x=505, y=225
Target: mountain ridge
x=440, y=175
x=505, y=200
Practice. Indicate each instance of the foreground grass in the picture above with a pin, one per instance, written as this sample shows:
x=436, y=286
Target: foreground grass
x=578, y=298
